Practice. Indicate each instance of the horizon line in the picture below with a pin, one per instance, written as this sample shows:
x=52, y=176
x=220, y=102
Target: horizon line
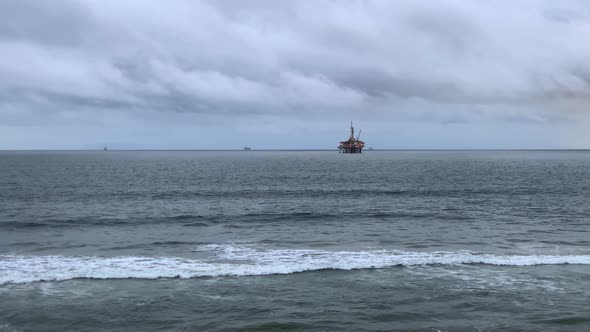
x=295, y=150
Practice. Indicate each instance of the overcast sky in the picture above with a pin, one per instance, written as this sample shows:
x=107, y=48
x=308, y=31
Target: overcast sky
x=292, y=74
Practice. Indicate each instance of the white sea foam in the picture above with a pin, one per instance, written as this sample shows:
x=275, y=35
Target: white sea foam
x=233, y=260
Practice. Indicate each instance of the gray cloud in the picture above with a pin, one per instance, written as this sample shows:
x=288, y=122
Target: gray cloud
x=420, y=60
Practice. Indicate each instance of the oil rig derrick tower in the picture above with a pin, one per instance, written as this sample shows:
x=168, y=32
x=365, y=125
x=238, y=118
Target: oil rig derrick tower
x=352, y=145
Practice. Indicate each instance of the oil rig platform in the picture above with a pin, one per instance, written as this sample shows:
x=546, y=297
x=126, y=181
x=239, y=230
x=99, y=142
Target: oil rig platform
x=352, y=145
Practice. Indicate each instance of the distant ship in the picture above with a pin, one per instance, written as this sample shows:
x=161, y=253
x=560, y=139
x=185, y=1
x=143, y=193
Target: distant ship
x=105, y=148
x=247, y=148
x=352, y=145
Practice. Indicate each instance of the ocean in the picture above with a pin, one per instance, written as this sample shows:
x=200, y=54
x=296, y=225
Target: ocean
x=295, y=241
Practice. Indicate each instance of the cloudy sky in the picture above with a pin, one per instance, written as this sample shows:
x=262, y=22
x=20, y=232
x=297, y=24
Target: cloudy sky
x=186, y=74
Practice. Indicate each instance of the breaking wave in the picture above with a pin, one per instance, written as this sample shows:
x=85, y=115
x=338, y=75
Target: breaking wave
x=230, y=260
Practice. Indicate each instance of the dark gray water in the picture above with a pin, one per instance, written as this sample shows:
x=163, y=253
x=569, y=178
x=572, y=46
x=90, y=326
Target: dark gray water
x=315, y=241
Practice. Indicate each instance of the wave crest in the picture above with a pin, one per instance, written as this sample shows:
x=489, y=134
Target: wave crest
x=243, y=261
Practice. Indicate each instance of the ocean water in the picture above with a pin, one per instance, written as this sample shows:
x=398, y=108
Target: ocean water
x=295, y=241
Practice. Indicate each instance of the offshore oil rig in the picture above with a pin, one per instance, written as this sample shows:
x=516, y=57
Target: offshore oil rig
x=352, y=145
